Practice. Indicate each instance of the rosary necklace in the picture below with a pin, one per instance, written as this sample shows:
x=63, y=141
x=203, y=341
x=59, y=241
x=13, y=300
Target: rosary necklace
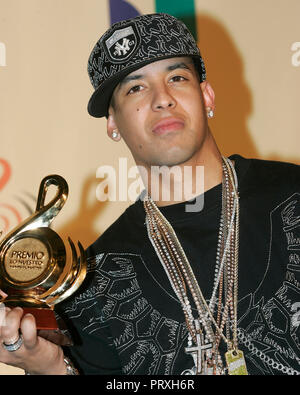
x=216, y=320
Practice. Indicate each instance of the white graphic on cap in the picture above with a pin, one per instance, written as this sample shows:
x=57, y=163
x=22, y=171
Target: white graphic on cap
x=122, y=49
x=121, y=43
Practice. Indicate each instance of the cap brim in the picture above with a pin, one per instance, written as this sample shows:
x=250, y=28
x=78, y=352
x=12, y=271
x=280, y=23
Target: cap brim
x=100, y=99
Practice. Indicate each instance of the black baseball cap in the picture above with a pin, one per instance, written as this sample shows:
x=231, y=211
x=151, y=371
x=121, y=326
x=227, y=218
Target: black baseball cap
x=131, y=44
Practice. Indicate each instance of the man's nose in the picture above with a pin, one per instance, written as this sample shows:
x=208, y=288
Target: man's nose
x=162, y=99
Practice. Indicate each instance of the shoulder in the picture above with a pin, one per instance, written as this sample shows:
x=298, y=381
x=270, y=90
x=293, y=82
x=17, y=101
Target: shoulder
x=276, y=169
x=260, y=173
x=122, y=233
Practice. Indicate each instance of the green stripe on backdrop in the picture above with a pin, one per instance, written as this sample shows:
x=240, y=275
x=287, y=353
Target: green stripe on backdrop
x=182, y=9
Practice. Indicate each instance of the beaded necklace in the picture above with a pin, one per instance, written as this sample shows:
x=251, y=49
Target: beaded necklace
x=205, y=331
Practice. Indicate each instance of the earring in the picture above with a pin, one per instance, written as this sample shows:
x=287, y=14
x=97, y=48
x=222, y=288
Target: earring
x=115, y=134
x=210, y=113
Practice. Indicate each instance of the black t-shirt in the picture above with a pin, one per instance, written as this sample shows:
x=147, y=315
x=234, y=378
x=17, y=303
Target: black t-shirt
x=126, y=318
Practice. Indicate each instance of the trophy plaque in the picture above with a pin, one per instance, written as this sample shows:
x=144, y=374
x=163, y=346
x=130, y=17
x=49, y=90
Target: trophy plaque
x=35, y=273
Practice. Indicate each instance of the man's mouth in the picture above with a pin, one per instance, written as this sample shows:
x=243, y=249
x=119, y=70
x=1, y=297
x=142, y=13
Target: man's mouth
x=167, y=125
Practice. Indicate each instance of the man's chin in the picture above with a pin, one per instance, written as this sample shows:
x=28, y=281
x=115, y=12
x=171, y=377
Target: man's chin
x=173, y=158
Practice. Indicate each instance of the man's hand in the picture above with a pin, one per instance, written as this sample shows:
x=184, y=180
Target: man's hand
x=36, y=355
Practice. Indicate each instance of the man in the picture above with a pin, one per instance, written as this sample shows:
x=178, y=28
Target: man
x=174, y=290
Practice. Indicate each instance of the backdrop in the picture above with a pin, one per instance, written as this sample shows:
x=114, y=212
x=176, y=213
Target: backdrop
x=252, y=54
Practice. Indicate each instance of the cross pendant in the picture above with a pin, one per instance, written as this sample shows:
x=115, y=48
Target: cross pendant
x=199, y=350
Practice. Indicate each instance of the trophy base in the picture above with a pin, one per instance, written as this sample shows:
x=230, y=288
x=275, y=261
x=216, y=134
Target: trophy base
x=47, y=326
x=43, y=314
x=44, y=318
x=46, y=322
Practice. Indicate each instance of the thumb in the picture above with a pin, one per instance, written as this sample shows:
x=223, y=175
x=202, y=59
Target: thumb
x=29, y=331
x=3, y=295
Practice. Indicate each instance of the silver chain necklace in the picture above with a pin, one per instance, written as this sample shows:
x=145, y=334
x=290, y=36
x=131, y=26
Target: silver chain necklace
x=205, y=331
x=248, y=342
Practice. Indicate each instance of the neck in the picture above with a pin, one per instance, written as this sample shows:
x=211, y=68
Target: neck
x=169, y=185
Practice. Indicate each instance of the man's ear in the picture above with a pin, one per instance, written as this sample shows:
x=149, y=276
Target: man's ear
x=208, y=95
x=112, y=129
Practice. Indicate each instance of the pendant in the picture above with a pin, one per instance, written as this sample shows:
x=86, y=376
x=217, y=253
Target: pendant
x=236, y=363
x=200, y=352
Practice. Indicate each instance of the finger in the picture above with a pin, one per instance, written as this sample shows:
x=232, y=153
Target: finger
x=3, y=311
x=10, y=331
x=2, y=315
x=29, y=331
x=3, y=294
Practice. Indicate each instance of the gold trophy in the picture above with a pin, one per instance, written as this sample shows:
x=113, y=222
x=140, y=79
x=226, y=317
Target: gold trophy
x=34, y=270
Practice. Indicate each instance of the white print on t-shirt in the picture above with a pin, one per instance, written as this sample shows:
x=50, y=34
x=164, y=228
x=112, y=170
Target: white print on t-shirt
x=274, y=308
x=150, y=340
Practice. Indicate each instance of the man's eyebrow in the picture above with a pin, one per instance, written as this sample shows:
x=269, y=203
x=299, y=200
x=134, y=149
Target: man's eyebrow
x=178, y=65
x=129, y=78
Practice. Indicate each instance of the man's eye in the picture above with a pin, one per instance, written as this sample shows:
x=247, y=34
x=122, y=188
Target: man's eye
x=134, y=89
x=178, y=78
